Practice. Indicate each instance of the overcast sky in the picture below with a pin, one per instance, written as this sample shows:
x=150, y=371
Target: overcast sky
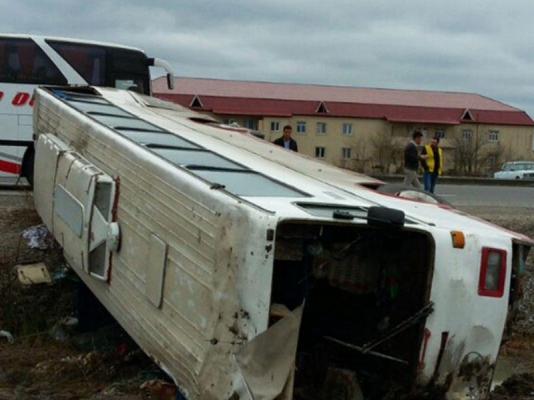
x=478, y=46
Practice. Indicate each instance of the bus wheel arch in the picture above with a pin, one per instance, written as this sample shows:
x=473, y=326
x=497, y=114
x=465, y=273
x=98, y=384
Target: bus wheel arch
x=413, y=193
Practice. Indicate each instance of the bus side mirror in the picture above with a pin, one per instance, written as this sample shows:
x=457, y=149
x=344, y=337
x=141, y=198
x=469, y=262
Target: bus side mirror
x=383, y=217
x=170, y=81
x=158, y=62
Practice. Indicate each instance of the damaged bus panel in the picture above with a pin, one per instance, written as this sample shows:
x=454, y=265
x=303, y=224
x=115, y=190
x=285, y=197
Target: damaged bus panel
x=250, y=272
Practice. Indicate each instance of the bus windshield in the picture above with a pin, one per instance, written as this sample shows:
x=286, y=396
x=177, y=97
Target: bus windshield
x=106, y=66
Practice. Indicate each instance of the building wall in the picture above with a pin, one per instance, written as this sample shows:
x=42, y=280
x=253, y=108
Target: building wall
x=364, y=142
x=325, y=138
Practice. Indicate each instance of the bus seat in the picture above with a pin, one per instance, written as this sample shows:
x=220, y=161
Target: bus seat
x=40, y=69
x=79, y=59
x=13, y=65
x=26, y=56
x=3, y=60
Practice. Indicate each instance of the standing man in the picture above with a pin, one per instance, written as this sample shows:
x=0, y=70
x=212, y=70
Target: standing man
x=286, y=141
x=411, y=160
x=432, y=164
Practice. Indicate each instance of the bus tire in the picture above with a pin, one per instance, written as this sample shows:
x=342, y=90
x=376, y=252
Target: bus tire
x=409, y=192
x=26, y=168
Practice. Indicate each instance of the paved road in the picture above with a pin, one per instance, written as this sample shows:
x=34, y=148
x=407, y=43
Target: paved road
x=481, y=195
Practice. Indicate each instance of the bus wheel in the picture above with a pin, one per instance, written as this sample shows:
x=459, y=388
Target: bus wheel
x=26, y=169
x=409, y=192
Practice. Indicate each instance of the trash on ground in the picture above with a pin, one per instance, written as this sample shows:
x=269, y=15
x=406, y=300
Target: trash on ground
x=64, y=329
x=38, y=236
x=33, y=274
x=7, y=335
x=159, y=389
x=59, y=273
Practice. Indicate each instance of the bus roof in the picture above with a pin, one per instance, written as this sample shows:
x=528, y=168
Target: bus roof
x=302, y=185
x=65, y=39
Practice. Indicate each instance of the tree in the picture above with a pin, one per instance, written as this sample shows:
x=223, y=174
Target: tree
x=385, y=151
x=474, y=153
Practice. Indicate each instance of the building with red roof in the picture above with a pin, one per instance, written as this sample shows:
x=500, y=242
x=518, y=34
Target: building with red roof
x=365, y=128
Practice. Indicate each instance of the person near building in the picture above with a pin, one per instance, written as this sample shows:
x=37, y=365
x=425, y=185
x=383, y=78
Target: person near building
x=286, y=140
x=411, y=160
x=432, y=164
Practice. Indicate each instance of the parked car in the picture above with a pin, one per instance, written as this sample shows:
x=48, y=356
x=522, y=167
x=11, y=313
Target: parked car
x=516, y=170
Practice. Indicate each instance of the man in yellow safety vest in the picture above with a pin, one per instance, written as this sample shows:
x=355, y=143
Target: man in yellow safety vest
x=432, y=164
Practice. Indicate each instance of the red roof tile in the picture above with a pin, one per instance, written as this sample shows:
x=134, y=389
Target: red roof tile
x=283, y=100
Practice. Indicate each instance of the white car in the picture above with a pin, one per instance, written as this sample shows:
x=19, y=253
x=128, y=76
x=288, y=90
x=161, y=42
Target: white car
x=516, y=170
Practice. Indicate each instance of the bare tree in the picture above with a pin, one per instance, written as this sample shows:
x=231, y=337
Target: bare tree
x=474, y=153
x=385, y=151
x=359, y=156
x=496, y=155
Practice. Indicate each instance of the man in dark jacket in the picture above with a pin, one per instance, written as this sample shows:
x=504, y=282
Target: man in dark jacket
x=411, y=160
x=286, y=141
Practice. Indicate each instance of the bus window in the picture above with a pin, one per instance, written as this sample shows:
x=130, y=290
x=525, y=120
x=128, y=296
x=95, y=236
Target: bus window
x=22, y=61
x=88, y=60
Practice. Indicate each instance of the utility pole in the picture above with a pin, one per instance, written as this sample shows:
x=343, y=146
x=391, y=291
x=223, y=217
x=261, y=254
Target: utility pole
x=476, y=143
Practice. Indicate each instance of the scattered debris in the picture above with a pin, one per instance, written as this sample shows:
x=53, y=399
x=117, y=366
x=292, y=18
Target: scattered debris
x=60, y=273
x=520, y=386
x=63, y=330
x=39, y=237
x=33, y=274
x=7, y=335
x=159, y=389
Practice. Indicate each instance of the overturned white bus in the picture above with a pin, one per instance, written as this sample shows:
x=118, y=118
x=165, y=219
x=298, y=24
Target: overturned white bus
x=251, y=272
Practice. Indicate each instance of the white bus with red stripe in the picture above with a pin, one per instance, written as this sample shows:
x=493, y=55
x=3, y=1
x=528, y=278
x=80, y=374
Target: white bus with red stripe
x=27, y=61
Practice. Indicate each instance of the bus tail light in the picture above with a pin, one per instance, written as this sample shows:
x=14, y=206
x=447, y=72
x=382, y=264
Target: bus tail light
x=492, y=272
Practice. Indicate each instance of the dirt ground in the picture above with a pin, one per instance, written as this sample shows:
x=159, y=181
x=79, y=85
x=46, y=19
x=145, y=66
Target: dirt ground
x=50, y=359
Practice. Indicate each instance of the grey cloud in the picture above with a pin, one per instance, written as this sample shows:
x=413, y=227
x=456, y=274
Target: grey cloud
x=480, y=46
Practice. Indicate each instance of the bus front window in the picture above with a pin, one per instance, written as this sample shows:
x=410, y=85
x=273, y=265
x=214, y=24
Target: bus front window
x=129, y=84
x=130, y=70
x=101, y=65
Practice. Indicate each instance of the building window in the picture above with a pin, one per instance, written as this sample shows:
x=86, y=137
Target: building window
x=346, y=153
x=251, y=124
x=439, y=133
x=493, y=136
x=320, y=128
x=228, y=121
x=347, y=129
x=275, y=126
x=301, y=126
x=467, y=134
x=320, y=152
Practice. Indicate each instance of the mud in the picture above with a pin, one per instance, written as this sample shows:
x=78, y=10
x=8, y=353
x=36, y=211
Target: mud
x=519, y=386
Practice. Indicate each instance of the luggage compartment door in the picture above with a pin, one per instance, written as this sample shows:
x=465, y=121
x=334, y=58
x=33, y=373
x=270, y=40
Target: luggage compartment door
x=75, y=200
